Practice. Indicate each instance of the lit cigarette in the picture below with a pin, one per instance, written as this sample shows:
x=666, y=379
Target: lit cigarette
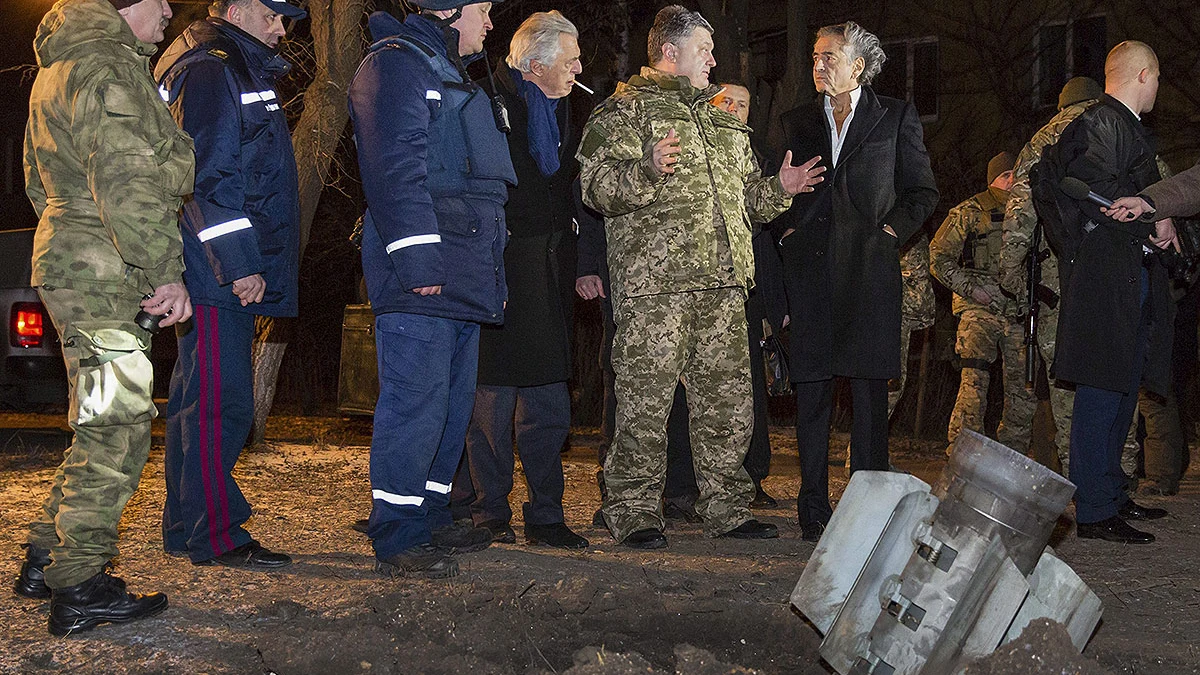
x=584, y=87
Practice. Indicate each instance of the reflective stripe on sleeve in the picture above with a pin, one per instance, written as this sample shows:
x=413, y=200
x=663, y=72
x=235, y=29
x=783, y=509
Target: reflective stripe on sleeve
x=215, y=231
x=433, y=95
x=256, y=96
x=440, y=488
x=413, y=241
x=399, y=500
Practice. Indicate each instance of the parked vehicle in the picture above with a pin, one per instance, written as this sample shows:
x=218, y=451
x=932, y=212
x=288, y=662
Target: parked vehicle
x=33, y=372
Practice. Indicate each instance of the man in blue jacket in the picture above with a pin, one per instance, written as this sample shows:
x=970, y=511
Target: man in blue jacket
x=241, y=236
x=436, y=170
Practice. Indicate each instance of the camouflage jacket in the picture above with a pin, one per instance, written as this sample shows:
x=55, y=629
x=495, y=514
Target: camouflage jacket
x=918, y=306
x=664, y=233
x=1020, y=219
x=105, y=165
x=973, y=224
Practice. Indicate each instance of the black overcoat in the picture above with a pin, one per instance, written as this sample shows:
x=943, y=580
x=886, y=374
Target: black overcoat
x=533, y=347
x=841, y=269
x=1108, y=149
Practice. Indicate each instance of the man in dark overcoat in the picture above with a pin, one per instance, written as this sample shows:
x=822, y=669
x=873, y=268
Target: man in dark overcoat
x=1115, y=330
x=839, y=248
x=524, y=363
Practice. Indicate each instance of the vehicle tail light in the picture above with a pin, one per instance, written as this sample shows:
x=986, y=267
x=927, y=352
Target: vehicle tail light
x=28, y=327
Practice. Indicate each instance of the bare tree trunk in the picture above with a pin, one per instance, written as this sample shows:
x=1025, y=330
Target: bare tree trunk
x=787, y=94
x=337, y=46
x=622, y=60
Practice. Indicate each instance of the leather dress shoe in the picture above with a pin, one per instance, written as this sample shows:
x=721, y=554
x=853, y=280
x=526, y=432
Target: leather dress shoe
x=462, y=537
x=1113, y=529
x=812, y=531
x=31, y=582
x=1132, y=511
x=557, y=535
x=646, y=539
x=499, y=532
x=753, y=529
x=249, y=556
x=598, y=519
x=424, y=560
x=100, y=599
x=762, y=500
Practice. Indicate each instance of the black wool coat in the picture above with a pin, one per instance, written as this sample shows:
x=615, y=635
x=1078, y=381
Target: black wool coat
x=1107, y=148
x=841, y=269
x=533, y=346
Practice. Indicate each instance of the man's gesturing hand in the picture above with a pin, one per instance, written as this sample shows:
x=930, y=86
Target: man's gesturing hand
x=797, y=179
x=171, y=302
x=1165, y=235
x=666, y=154
x=250, y=289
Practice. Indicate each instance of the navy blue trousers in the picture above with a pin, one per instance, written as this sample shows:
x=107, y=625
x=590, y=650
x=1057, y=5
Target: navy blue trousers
x=427, y=369
x=542, y=419
x=209, y=414
x=1099, y=424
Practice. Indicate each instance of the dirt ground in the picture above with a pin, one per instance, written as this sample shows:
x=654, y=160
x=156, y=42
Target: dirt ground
x=699, y=606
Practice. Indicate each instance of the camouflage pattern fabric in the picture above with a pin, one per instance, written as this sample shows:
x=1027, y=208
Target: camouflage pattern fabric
x=982, y=336
x=896, y=387
x=664, y=232
x=699, y=338
x=985, y=332
x=918, y=308
x=110, y=380
x=106, y=167
x=1020, y=218
x=976, y=223
x=918, y=305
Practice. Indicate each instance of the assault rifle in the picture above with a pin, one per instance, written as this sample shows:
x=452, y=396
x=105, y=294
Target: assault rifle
x=1037, y=294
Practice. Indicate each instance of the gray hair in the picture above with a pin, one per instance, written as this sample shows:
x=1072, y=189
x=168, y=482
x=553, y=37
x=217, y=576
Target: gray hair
x=538, y=39
x=860, y=43
x=672, y=24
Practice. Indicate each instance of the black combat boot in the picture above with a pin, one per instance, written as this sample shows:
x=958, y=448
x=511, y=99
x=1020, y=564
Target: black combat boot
x=100, y=599
x=31, y=582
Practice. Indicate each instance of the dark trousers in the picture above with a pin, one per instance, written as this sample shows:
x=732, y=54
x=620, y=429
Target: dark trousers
x=542, y=419
x=681, y=479
x=427, y=370
x=209, y=414
x=868, y=439
x=1099, y=425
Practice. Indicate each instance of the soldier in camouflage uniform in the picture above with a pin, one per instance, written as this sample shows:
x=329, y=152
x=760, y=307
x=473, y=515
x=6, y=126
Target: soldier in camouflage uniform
x=678, y=185
x=106, y=169
x=917, y=309
x=963, y=256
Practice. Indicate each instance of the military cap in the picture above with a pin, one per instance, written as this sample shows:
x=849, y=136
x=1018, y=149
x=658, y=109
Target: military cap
x=999, y=164
x=1079, y=89
x=285, y=8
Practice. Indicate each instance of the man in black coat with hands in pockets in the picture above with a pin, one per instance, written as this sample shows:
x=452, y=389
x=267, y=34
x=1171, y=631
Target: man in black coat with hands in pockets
x=839, y=248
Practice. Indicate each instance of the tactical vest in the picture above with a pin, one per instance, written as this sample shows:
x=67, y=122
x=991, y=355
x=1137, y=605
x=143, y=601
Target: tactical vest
x=468, y=155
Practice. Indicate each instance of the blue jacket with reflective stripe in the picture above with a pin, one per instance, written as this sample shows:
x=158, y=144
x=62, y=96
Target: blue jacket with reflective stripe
x=435, y=172
x=244, y=217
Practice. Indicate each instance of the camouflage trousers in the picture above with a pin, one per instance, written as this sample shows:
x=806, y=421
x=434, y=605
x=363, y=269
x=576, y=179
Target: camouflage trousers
x=982, y=336
x=110, y=382
x=698, y=338
x=908, y=326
